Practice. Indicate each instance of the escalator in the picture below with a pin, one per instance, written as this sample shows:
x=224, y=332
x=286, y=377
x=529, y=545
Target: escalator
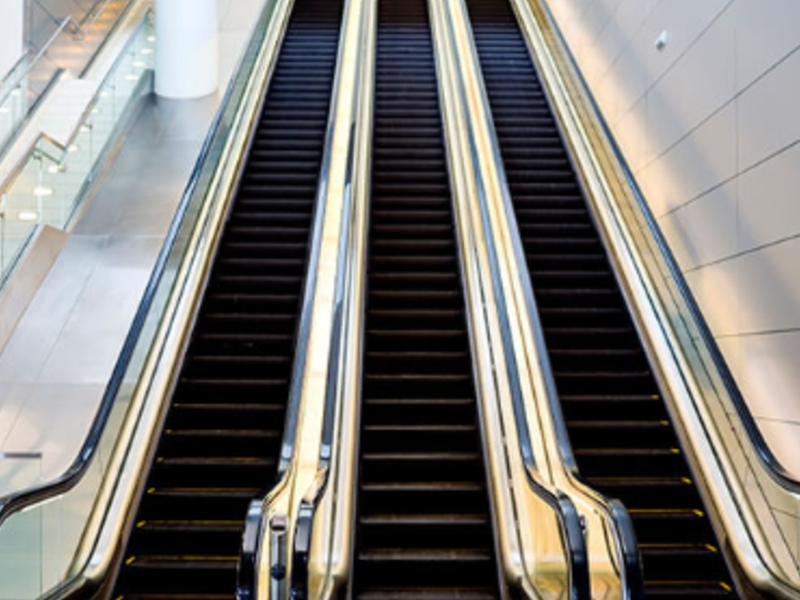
x=423, y=528
x=222, y=436
x=624, y=442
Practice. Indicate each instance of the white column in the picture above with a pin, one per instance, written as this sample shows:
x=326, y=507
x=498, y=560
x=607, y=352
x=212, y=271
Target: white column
x=12, y=42
x=187, y=48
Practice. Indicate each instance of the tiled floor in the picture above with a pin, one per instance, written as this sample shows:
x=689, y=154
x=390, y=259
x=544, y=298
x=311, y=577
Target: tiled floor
x=54, y=370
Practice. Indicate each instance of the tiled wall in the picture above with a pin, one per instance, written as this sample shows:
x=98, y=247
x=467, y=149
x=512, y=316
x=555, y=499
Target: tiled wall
x=710, y=125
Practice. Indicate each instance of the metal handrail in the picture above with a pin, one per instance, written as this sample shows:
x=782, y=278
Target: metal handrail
x=129, y=6
x=30, y=59
x=63, y=149
x=562, y=505
x=82, y=26
x=350, y=287
x=243, y=79
x=13, y=78
x=257, y=511
x=55, y=19
x=88, y=20
x=259, y=507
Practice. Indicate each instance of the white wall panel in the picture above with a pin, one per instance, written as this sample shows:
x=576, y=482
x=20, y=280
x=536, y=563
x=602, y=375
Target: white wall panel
x=769, y=374
x=769, y=289
x=766, y=33
x=710, y=225
x=769, y=119
x=769, y=205
x=11, y=34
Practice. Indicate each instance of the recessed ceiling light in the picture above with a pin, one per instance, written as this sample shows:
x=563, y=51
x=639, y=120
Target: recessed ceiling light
x=43, y=190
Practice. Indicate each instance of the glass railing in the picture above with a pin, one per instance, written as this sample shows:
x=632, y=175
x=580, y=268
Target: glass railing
x=55, y=44
x=24, y=86
x=48, y=185
x=42, y=24
x=60, y=537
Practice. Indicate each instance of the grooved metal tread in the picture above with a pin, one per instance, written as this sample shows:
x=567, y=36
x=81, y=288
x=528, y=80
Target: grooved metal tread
x=424, y=530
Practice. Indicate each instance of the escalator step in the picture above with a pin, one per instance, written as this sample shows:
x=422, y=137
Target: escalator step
x=424, y=528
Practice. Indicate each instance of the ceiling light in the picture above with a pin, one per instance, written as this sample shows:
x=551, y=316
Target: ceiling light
x=42, y=190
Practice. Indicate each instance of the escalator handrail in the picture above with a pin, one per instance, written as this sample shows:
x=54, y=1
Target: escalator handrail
x=255, y=524
x=221, y=139
x=563, y=507
x=346, y=328
x=614, y=168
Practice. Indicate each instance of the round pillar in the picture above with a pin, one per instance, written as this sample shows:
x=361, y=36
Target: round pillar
x=187, y=48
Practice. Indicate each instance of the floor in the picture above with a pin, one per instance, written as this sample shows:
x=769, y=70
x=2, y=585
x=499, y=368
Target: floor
x=54, y=370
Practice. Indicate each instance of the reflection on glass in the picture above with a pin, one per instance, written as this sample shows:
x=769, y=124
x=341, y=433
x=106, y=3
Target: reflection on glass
x=48, y=188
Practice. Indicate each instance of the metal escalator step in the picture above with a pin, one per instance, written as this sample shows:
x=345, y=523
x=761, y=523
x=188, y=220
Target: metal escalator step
x=658, y=526
x=411, y=593
x=179, y=573
x=651, y=492
x=682, y=590
x=187, y=537
x=429, y=532
x=423, y=527
x=446, y=568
